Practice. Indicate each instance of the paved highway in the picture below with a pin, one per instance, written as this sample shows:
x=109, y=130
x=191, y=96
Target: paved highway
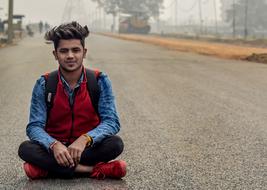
x=188, y=121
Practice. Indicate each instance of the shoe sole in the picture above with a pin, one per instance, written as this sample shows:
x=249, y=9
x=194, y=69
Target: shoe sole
x=26, y=170
x=31, y=174
x=122, y=165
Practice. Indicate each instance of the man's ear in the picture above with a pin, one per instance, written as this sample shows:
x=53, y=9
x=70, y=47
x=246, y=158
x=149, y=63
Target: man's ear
x=84, y=52
x=55, y=54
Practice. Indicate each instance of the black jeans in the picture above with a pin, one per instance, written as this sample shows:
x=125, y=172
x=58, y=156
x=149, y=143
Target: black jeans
x=34, y=153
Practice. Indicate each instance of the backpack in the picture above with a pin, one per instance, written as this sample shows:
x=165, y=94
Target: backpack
x=51, y=81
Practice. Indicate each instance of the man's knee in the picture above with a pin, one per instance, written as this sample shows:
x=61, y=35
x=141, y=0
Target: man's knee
x=117, y=144
x=23, y=148
x=29, y=150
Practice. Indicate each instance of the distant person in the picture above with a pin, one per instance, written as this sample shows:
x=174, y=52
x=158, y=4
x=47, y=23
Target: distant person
x=29, y=30
x=112, y=28
x=46, y=26
x=41, y=26
x=73, y=119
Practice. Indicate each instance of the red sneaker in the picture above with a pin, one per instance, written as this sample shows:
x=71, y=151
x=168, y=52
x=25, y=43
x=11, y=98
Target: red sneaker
x=34, y=172
x=113, y=169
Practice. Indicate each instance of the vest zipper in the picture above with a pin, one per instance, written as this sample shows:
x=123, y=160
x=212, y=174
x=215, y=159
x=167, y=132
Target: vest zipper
x=72, y=124
x=72, y=117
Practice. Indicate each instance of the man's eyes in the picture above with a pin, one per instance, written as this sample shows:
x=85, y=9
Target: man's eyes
x=75, y=50
x=63, y=51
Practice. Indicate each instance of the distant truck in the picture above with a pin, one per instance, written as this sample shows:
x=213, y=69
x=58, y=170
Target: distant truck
x=133, y=23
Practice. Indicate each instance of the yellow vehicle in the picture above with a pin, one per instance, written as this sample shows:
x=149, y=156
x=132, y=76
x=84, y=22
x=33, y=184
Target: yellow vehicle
x=133, y=24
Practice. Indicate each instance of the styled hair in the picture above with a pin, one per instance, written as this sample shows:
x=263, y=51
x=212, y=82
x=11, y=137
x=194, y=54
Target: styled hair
x=67, y=31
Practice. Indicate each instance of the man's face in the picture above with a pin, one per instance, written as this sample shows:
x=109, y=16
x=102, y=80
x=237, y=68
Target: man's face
x=70, y=54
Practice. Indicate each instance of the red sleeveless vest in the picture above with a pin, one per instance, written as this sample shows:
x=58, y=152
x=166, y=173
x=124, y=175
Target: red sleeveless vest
x=66, y=123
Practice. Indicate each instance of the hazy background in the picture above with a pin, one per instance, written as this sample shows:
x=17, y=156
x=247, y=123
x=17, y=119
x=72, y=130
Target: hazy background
x=52, y=10
x=219, y=18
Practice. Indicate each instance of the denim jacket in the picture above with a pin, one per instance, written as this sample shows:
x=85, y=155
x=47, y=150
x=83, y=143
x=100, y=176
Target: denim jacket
x=109, y=120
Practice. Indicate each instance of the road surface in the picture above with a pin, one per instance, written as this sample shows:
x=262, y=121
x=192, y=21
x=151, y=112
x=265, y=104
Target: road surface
x=188, y=121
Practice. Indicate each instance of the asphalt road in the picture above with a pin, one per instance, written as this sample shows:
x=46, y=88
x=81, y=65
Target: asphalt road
x=188, y=121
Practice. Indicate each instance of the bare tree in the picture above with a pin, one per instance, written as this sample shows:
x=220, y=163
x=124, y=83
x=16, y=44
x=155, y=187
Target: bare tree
x=248, y=15
x=151, y=8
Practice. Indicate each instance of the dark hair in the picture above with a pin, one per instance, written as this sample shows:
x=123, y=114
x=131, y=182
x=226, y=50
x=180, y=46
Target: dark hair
x=72, y=30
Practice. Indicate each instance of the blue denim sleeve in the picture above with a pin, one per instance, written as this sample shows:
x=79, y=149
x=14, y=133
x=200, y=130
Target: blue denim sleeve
x=109, y=120
x=37, y=120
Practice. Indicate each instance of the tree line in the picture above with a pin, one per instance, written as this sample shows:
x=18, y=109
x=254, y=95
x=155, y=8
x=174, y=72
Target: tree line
x=149, y=8
x=248, y=15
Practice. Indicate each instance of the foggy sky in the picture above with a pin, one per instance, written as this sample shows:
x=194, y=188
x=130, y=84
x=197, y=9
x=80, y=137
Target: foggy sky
x=36, y=10
x=52, y=10
x=189, y=10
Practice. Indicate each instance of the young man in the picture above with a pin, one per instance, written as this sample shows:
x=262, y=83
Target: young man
x=72, y=136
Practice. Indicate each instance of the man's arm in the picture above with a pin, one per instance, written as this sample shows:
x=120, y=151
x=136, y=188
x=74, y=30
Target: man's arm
x=38, y=113
x=109, y=124
x=36, y=127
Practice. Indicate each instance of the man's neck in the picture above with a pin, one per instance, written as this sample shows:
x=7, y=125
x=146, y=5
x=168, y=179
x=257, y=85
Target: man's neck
x=72, y=77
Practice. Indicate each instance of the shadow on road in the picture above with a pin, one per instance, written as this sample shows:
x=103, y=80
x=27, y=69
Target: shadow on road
x=77, y=183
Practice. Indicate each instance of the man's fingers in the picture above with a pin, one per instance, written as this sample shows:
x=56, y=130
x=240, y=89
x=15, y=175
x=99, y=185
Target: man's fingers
x=79, y=157
x=59, y=160
x=69, y=159
x=64, y=160
x=76, y=155
x=71, y=154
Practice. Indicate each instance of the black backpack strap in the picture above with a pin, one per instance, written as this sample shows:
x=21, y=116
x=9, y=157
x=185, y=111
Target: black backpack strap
x=51, y=81
x=93, y=88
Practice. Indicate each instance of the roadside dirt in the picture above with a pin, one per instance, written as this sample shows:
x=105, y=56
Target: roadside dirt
x=223, y=50
x=2, y=45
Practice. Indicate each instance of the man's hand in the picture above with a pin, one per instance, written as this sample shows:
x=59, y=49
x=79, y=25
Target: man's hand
x=62, y=155
x=76, y=148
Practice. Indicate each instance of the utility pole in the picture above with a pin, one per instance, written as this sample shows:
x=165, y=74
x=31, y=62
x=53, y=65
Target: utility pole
x=75, y=10
x=176, y=17
x=90, y=18
x=234, y=32
x=10, y=22
x=246, y=20
x=105, y=19
x=100, y=18
x=1, y=8
x=114, y=21
x=97, y=19
x=200, y=16
x=158, y=22
x=215, y=12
